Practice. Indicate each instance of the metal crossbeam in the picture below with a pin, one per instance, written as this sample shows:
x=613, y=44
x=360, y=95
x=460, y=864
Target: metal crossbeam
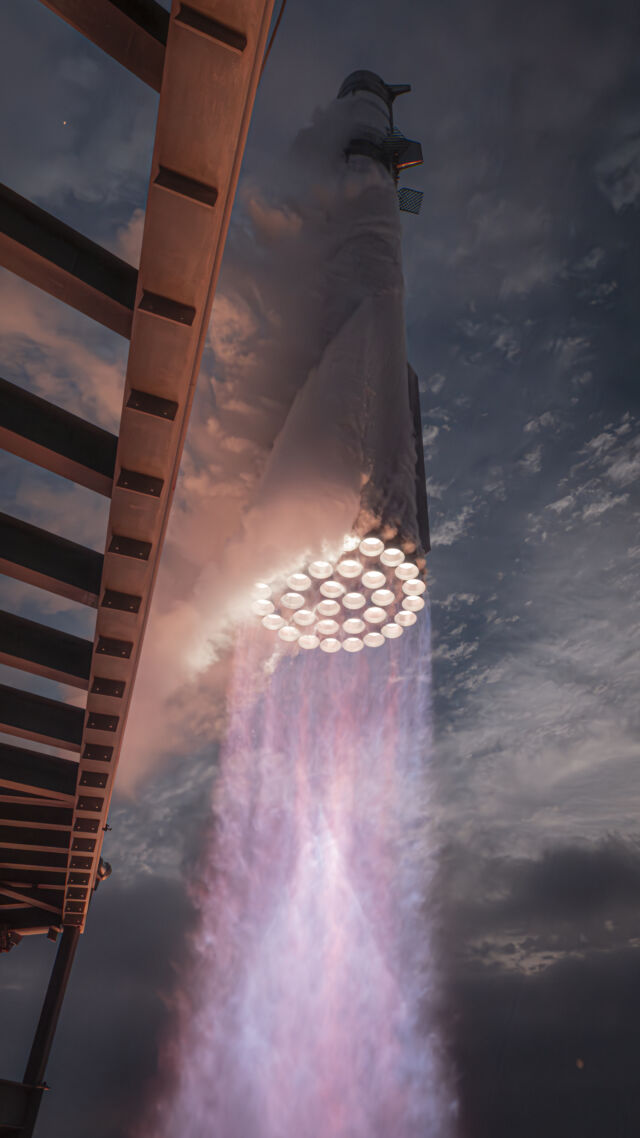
x=40, y=898
x=13, y=860
x=24, y=770
x=44, y=720
x=23, y=878
x=29, y=838
x=47, y=253
x=133, y=32
x=208, y=74
x=38, y=431
x=35, y=813
x=44, y=651
x=40, y=558
x=211, y=73
x=30, y=919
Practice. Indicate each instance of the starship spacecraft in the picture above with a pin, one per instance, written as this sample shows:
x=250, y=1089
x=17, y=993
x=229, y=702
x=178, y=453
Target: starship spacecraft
x=360, y=408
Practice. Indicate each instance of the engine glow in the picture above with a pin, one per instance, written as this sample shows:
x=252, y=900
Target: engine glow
x=388, y=589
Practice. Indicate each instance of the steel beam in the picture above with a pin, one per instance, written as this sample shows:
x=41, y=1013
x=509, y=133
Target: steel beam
x=46, y=879
x=36, y=861
x=54, y=257
x=133, y=32
x=19, y=1106
x=44, y=651
x=208, y=75
x=38, y=431
x=27, y=771
x=36, y=840
x=43, y=720
x=34, y=813
x=15, y=798
x=51, y=1008
x=30, y=918
x=211, y=70
x=37, y=898
x=41, y=558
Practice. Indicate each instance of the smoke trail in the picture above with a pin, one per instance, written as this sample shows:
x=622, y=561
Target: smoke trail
x=313, y=435
x=307, y=1009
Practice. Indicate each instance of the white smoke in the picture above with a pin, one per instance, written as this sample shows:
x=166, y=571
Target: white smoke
x=312, y=434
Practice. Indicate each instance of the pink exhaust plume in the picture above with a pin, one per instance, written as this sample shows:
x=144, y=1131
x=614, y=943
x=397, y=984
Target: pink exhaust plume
x=307, y=1007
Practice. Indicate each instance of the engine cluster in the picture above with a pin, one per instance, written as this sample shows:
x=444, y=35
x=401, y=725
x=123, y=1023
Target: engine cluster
x=371, y=594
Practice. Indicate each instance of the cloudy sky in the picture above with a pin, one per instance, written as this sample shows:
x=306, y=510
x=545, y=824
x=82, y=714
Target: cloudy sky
x=522, y=294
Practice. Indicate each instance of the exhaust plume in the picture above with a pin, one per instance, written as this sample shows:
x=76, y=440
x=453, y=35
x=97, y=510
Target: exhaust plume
x=308, y=1003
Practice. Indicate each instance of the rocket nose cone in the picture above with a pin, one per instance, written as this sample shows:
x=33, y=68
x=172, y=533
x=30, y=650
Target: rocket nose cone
x=369, y=81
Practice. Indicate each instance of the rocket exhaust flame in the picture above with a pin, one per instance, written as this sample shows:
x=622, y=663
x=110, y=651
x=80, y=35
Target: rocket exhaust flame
x=307, y=1009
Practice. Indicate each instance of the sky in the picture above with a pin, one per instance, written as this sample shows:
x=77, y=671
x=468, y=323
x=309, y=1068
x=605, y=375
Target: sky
x=521, y=293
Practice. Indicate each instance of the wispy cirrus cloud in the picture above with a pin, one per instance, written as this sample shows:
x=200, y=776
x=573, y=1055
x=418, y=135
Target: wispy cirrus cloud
x=618, y=171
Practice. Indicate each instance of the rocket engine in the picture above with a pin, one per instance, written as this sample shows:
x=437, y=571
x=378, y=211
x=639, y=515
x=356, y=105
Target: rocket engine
x=353, y=437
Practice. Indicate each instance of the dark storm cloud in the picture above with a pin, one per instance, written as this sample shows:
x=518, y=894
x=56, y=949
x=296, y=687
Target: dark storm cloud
x=543, y=994
x=574, y=883
x=523, y=914
x=552, y=1054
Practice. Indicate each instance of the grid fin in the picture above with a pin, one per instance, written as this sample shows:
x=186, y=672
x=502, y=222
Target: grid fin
x=410, y=201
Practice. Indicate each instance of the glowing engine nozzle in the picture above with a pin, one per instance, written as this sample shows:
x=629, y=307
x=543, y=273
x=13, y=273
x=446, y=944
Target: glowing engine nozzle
x=368, y=595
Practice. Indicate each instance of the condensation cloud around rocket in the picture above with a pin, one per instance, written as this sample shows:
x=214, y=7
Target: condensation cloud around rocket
x=314, y=435
x=345, y=455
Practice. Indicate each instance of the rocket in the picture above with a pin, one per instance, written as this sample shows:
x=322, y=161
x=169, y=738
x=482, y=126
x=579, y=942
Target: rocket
x=345, y=481
x=388, y=146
